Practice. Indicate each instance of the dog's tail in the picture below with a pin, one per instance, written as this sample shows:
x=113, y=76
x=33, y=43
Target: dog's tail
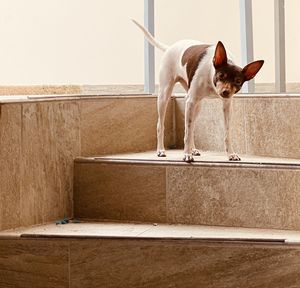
x=150, y=38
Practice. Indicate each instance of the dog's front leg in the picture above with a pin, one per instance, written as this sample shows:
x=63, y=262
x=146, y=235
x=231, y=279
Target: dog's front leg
x=195, y=151
x=227, y=119
x=190, y=115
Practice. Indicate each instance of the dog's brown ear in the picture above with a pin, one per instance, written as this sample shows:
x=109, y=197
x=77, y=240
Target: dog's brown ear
x=252, y=68
x=220, y=57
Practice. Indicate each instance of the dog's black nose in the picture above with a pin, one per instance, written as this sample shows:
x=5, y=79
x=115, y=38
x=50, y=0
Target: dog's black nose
x=225, y=93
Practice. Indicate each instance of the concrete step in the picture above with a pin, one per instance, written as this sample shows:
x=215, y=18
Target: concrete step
x=256, y=192
x=144, y=255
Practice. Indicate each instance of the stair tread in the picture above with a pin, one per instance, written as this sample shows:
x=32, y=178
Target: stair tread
x=154, y=231
x=206, y=158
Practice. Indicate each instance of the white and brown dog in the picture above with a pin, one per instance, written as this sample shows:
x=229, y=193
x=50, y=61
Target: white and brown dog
x=204, y=71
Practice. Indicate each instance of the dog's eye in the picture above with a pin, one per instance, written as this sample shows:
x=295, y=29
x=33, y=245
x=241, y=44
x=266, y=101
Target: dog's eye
x=222, y=76
x=238, y=81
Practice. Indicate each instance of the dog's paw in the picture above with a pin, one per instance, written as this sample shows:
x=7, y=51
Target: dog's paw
x=234, y=157
x=188, y=158
x=161, y=153
x=196, y=152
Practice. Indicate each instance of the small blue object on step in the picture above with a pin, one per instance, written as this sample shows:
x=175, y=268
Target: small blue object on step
x=63, y=221
x=66, y=221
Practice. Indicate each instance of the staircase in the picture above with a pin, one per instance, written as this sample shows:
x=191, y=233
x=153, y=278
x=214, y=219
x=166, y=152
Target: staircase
x=212, y=191
x=143, y=221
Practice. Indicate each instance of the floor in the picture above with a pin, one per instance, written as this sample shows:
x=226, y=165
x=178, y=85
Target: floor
x=155, y=230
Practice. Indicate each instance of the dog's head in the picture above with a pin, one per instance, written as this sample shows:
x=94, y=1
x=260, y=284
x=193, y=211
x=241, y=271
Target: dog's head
x=229, y=78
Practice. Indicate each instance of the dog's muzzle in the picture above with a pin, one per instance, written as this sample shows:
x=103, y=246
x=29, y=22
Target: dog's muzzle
x=225, y=93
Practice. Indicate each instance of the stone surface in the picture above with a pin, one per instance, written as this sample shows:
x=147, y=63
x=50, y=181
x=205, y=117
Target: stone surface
x=273, y=126
x=120, y=192
x=40, y=138
x=10, y=165
x=209, y=127
x=119, y=89
x=160, y=231
x=40, y=89
x=38, y=264
x=39, y=142
x=262, y=198
x=129, y=260
x=126, y=125
x=146, y=263
x=208, y=158
x=256, y=192
x=116, y=89
x=50, y=142
x=262, y=125
x=153, y=263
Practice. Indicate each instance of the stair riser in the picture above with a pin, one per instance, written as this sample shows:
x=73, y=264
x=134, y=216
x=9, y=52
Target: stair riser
x=120, y=192
x=146, y=263
x=237, y=197
x=113, y=125
x=265, y=126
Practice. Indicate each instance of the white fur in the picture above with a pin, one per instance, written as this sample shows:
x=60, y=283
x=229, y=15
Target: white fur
x=171, y=71
x=150, y=38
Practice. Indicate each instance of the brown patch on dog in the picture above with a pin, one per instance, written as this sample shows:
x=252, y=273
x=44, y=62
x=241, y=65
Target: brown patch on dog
x=192, y=57
x=183, y=83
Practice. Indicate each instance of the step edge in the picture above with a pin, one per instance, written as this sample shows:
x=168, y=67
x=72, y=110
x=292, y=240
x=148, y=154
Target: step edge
x=226, y=164
x=5, y=99
x=160, y=238
x=14, y=99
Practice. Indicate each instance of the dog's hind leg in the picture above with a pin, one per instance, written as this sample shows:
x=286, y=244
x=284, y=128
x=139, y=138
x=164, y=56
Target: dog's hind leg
x=164, y=95
x=195, y=151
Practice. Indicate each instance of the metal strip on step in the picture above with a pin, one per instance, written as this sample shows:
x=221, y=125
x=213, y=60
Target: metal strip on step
x=227, y=164
x=187, y=238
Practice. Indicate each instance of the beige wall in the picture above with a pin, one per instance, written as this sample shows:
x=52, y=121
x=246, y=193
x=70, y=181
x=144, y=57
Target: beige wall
x=93, y=42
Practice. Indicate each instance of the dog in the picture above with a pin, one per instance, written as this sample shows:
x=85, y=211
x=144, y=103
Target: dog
x=204, y=71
